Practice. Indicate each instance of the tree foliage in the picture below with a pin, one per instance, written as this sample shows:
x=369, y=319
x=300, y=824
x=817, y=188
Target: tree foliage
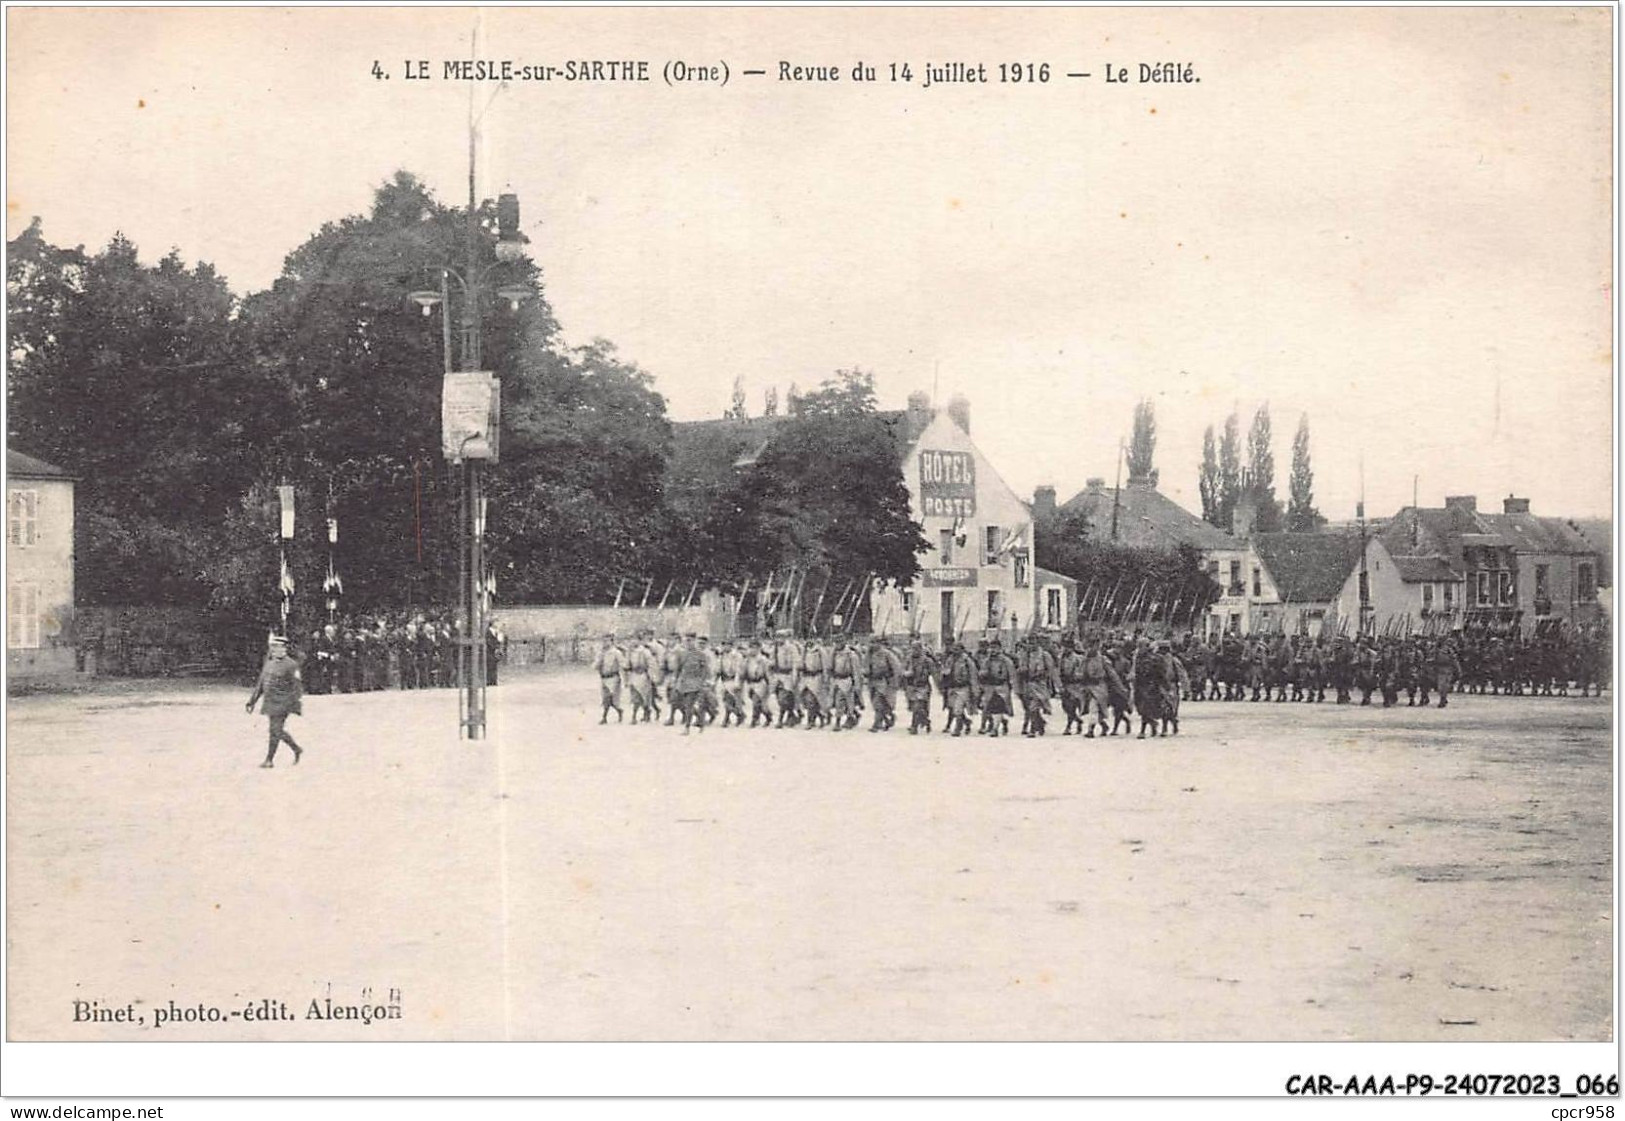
x=1121, y=584
x=1229, y=473
x=1261, y=473
x=1301, y=515
x=1208, y=481
x=1143, y=444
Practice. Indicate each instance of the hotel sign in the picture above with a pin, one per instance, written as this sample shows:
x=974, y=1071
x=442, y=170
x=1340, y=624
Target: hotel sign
x=948, y=484
x=950, y=577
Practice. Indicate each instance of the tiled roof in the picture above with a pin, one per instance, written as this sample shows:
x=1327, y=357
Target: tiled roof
x=21, y=466
x=1424, y=570
x=1308, y=567
x=1531, y=533
x=1146, y=519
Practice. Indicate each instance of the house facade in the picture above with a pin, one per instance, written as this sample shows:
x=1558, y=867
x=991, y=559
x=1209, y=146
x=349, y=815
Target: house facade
x=39, y=568
x=1514, y=568
x=977, y=578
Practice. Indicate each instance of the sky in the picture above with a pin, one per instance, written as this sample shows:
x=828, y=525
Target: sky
x=1396, y=222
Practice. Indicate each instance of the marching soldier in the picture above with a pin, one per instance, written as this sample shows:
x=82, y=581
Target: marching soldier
x=919, y=671
x=671, y=662
x=998, y=676
x=280, y=685
x=1446, y=668
x=885, y=673
x=958, y=684
x=690, y=675
x=1097, y=676
x=758, y=686
x=1074, y=694
x=731, y=675
x=786, y=659
x=640, y=667
x=1040, y=677
x=846, y=685
x=611, y=664
x=813, y=682
x=708, y=691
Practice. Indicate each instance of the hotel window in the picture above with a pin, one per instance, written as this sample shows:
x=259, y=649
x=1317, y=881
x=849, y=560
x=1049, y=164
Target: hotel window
x=1235, y=578
x=1449, y=596
x=22, y=518
x=1586, y=581
x=990, y=554
x=22, y=617
x=1427, y=599
x=1054, y=607
x=1258, y=581
x=1543, y=579
x=1021, y=571
x=945, y=546
x=1486, y=589
x=995, y=617
x=908, y=603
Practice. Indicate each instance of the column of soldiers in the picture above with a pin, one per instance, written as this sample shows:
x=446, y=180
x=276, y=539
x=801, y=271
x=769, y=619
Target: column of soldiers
x=393, y=649
x=831, y=682
x=1281, y=668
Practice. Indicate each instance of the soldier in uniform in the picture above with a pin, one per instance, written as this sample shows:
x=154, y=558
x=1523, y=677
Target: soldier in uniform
x=1170, y=673
x=919, y=673
x=640, y=663
x=611, y=664
x=846, y=685
x=731, y=676
x=1146, y=676
x=885, y=674
x=670, y=664
x=1097, y=673
x=1446, y=668
x=690, y=676
x=813, y=682
x=758, y=686
x=786, y=660
x=281, y=686
x=958, y=684
x=496, y=650
x=998, y=677
x=708, y=691
x=1074, y=694
x=1040, y=681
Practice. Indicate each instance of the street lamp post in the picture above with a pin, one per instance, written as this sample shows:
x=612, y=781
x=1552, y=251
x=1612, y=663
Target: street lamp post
x=474, y=586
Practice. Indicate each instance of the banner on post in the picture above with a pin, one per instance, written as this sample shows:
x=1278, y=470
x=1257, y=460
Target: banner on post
x=470, y=412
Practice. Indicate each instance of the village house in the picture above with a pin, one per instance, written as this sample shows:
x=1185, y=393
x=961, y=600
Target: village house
x=39, y=568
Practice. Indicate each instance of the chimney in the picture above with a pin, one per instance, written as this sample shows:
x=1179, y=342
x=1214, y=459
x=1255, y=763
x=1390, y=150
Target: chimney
x=959, y=409
x=1511, y=505
x=1467, y=503
x=1044, y=502
x=917, y=416
x=1096, y=485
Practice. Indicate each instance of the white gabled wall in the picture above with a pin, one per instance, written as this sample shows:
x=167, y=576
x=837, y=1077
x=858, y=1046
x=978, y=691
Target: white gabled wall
x=996, y=505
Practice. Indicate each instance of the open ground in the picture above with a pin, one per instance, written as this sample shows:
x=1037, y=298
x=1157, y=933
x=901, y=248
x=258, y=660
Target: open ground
x=1276, y=872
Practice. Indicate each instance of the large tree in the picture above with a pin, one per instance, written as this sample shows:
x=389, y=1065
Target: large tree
x=1143, y=444
x=578, y=484
x=1119, y=585
x=826, y=500
x=138, y=379
x=1261, y=473
x=1229, y=472
x=1208, y=482
x=1301, y=515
